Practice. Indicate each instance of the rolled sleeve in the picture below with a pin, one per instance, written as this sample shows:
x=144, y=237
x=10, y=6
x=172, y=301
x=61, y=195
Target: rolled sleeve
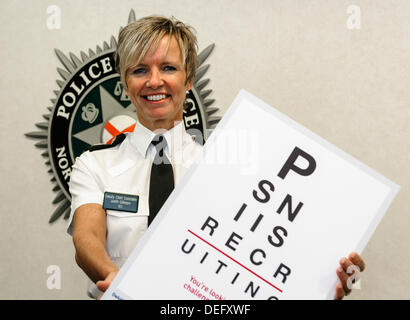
x=84, y=188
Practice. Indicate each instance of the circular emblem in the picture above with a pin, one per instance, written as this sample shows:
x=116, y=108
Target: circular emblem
x=91, y=108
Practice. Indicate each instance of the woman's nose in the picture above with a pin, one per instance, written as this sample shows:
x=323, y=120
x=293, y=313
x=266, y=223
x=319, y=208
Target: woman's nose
x=155, y=79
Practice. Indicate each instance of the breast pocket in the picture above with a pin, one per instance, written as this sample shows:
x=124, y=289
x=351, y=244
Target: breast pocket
x=125, y=229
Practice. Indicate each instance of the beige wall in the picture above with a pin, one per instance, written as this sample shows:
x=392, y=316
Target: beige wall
x=349, y=86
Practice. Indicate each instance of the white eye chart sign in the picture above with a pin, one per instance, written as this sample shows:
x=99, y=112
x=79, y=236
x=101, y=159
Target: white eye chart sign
x=265, y=212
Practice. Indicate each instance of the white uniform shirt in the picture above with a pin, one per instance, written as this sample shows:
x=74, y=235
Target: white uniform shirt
x=126, y=169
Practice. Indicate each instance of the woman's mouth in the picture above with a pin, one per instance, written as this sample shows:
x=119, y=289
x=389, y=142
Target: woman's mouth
x=156, y=98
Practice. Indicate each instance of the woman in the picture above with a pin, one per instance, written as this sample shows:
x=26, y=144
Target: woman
x=156, y=58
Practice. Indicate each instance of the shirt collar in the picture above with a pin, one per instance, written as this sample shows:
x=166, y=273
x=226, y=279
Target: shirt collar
x=141, y=138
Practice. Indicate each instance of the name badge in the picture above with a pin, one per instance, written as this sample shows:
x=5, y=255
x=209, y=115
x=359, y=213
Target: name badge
x=120, y=202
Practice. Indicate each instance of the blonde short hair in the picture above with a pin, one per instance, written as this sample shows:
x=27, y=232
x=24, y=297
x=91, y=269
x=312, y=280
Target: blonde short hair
x=137, y=37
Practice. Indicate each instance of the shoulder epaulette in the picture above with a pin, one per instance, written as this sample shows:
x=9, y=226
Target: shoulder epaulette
x=118, y=139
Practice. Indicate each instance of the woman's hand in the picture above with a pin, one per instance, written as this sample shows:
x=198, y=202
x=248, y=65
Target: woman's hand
x=342, y=288
x=103, y=285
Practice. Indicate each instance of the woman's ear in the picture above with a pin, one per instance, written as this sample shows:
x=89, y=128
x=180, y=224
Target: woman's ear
x=124, y=83
x=189, y=85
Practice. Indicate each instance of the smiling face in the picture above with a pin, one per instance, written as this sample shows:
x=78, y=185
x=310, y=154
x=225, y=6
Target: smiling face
x=157, y=86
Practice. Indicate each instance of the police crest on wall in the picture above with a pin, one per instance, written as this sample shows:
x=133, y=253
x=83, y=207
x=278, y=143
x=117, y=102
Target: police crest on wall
x=90, y=107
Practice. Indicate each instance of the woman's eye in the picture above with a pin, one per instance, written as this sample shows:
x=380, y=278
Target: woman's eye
x=169, y=68
x=139, y=71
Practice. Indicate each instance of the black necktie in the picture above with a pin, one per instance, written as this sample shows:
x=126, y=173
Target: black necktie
x=162, y=178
